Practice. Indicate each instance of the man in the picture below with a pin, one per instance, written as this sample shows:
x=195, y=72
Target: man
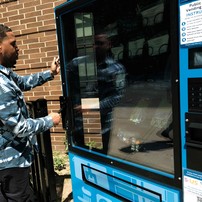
x=111, y=84
x=17, y=130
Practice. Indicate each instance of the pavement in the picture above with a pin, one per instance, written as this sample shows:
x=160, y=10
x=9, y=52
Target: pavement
x=67, y=191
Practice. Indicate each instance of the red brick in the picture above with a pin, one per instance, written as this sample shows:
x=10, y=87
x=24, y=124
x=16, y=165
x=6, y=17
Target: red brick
x=47, y=10
x=15, y=17
x=37, y=55
x=28, y=20
x=36, y=45
x=15, y=7
x=47, y=27
x=28, y=31
x=49, y=22
x=59, y=3
x=33, y=14
x=45, y=6
x=26, y=10
x=27, y=4
x=38, y=64
x=52, y=53
x=46, y=17
x=11, y=13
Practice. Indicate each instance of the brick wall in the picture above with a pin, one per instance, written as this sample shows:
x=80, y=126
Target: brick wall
x=33, y=23
x=92, y=129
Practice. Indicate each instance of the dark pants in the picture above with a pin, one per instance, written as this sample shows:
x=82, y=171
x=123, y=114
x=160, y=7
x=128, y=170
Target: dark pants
x=15, y=185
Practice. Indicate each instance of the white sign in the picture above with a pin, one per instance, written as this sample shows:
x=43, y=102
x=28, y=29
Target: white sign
x=191, y=23
x=192, y=186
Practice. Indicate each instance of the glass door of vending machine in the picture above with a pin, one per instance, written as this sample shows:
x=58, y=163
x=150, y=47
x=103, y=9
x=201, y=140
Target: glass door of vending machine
x=120, y=79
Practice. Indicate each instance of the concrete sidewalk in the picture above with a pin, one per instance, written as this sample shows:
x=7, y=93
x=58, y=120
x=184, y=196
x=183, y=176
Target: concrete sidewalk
x=67, y=191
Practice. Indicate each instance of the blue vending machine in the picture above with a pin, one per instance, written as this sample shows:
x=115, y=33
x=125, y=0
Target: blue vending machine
x=190, y=72
x=132, y=98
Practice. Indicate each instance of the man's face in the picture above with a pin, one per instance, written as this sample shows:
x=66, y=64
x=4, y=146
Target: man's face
x=9, y=50
x=102, y=46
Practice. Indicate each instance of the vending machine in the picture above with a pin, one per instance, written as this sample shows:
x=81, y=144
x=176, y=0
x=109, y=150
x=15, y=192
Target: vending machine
x=132, y=98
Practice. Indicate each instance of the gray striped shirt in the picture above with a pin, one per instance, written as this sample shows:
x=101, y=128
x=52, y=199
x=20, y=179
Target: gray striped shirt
x=18, y=131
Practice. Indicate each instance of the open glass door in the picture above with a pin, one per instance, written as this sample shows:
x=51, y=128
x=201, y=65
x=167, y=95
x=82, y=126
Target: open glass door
x=119, y=71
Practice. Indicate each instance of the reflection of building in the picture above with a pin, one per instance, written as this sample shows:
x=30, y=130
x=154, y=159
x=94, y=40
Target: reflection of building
x=92, y=127
x=34, y=26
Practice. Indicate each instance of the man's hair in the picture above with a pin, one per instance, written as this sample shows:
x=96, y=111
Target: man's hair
x=3, y=30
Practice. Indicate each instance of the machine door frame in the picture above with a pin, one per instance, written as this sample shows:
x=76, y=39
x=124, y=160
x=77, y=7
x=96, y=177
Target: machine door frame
x=172, y=180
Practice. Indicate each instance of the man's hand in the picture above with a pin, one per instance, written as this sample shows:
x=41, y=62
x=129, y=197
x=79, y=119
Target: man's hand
x=55, y=117
x=55, y=66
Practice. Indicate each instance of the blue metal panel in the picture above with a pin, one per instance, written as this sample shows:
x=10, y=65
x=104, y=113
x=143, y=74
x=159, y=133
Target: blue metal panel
x=191, y=185
x=183, y=96
x=106, y=183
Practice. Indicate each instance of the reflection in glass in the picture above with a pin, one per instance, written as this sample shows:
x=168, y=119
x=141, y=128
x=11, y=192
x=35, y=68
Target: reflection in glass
x=121, y=84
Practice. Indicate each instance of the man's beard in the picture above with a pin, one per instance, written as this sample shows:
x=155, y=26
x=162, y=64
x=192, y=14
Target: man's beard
x=9, y=62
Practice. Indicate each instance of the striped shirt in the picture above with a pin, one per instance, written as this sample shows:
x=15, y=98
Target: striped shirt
x=17, y=130
x=111, y=87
